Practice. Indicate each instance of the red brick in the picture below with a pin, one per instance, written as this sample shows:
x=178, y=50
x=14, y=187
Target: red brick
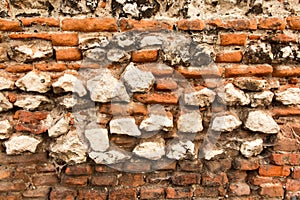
x=124, y=141
x=144, y=25
x=12, y=186
x=157, y=69
x=122, y=193
x=248, y=70
x=152, y=193
x=286, y=111
x=284, y=38
x=160, y=98
x=246, y=164
x=286, y=71
x=206, y=191
x=65, y=39
x=91, y=194
x=68, y=54
x=51, y=22
x=190, y=25
x=293, y=22
x=228, y=39
x=190, y=72
x=237, y=175
x=18, y=68
x=59, y=193
x=296, y=172
x=25, y=158
x=239, y=188
x=165, y=84
x=142, y=56
x=259, y=180
x=292, y=185
x=178, y=193
x=272, y=190
x=8, y=25
x=137, y=167
x=133, y=180
x=272, y=170
x=45, y=180
x=182, y=179
x=213, y=180
x=254, y=37
x=286, y=159
x=104, y=180
x=190, y=166
x=38, y=192
x=272, y=23
x=46, y=167
x=74, y=181
x=237, y=24
x=90, y=25
x=83, y=169
x=104, y=168
x=43, y=36
x=229, y=57
x=50, y=67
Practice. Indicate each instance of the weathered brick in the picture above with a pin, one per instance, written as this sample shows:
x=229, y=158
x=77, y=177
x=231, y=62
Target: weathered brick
x=25, y=158
x=272, y=170
x=38, y=192
x=59, y=193
x=104, y=168
x=165, y=84
x=104, y=180
x=182, y=179
x=190, y=166
x=152, y=193
x=206, y=191
x=74, y=181
x=246, y=164
x=4, y=173
x=248, y=70
x=87, y=194
x=272, y=190
x=45, y=180
x=43, y=36
x=51, y=22
x=286, y=159
x=68, y=54
x=156, y=69
x=9, y=25
x=286, y=111
x=83, y=169
x=122, y=193
x=284, y=38
x=179, y=193
x=286, y=71
x=213, y=180
x=65, y=39
x=296, y=172
x=133, y=180
x=137, y=167
x=292, y=185
x=7, y=196
x=142, y=56
x=190, y=25
x=189, y=72
x=90, y=25
x=144, y=25
x=50, y=67
x=46, y=167
x=163, y=164
x=272, y=23
x=160, y=98
x=229, y=57
x=293, y=22
x=237, y=175
x=240, y=189
x=18, y=68
x=259, y=180
x=12, y=186
x=236, y=24
x=228, y=39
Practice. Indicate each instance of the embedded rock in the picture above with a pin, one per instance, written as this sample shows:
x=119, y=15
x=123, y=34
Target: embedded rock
x=252, y=148
x=182, y=149
x=115, y=55
x=233, y=96
x=137, y=80
x=4, y=103
x=69, y=83
x=251, y=84
x=60, y=127
x=6, y=83
x=20, y=144
x=68, y=102
x=125, y=126
x=261, y=122
x=203, y=97
x=212, y=153
x=109, y=157
x=152, y=150
x=98, y=138
x=225, y=123
x=190, y=122
x=3, y=52
x=288, y=96
x=30, y=102
x=151, y=40
x=261, y=98
x=35, y=82
x=5, y=127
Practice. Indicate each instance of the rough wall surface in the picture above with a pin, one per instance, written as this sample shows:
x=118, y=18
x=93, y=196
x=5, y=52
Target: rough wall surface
x=149, y=99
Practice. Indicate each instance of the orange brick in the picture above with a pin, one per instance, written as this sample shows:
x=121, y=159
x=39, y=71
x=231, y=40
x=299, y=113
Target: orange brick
x=284, y=38
x=293, y=22
x=254, y=37
x=259, y=180
x=272, y=23
x=286, y=71
x=296, y=173
x=74, y=181
x=52, y=22
x=18, y=68
x=122, y=193
x=90, y=25
x=8, y=25
x=144, y=25
x=51, y=67
x=272, y=190
x=248, y=70
x=286, y=111
x=91, y=194
x=165, y=84
x=189, y=72
x=43, y=36
x=142, y=56
x=132, y=180
x=237, y=24
x=233, y=39
x=273, y=170
x=229, y=57
x=190, y=25
x=286, y=159
x=293, y=185
x=68, y=54
x=83, y=169
x=163, y=98
x=152, y=193
x=74, y=66
x=65, y=39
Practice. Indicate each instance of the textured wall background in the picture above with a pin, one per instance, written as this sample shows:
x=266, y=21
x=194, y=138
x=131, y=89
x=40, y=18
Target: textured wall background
x=149, y=99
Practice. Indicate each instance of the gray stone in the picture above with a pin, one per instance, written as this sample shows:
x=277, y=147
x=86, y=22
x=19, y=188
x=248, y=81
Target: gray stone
x=261, y=122
x=125, y=126
x=251, y=84
x=19, y=144
x=152, y=150
x=225, y=123
x=5, y=128
x=150, y=41
x=6, y=83
x=98, y=138
x=261, y=98
x=182, y=149
x=96, y=55
x=106, y=88
x=35, y=82
x=30, y=102
x=289, y=96
x=190, y=122
x=60, y=127
x=233, y=96
x=124, y=41
x=251, y=148
x=109, y=157
x=69, y=148
x=137, y=80
x=117, y=55
x=203, y=97
x=4, y=103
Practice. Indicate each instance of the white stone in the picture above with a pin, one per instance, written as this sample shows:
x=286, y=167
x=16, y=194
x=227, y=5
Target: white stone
x=125, y=126
x=261, y=98
x=30, y=102
x=212, y=153
x=180, y=150
x=137, y=80
x=252, y=148
x=150, y=41
x=20, y=144
x=109, y=157
x=225, y=123
x=190, y=122
x=69, y=148
x=69, y=83
x=35, y=82
x=68, y=102
x=131, y=8
x=106, y=88
x=98, y=139
x=252, y=84
x=60, y=127
x=233, y=96
x=115, y=55
x=6, y=83
x=262, y=122
x=288, y=96
x=152, y=150
x=4, y=103
x=203, y=97
x=5, y=127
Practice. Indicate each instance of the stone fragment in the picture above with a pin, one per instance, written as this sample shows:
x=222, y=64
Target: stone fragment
x=115, y=55
x=68, y=102
x=261, y=122
x=125, y=126
x=203, y=97
x=19, y=144
x=91, y=41
x=98, y=138
x=233, y=96
x=158, y=119
x=225, y=123
x=30, y=102
x=190, y=122
x=60, y=127
x=261, y=98
x=132, y=9
x=288, y=96
x=251, y=84
x=106, y=88
x=4, y=103
x=69, y=83
x=152, y=150
x=109, y=157
x=5, y=127
x=182, y=149
x=6, y=83
x=150, y=40
x=69, y=148
x=251, y=148
x=137, y=80
x=212, y=153
x=35, y=82
x=3, y=52
x=95, y=54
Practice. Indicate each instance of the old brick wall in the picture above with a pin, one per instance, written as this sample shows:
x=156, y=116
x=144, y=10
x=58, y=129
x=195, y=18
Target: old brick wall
x=149, y=99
